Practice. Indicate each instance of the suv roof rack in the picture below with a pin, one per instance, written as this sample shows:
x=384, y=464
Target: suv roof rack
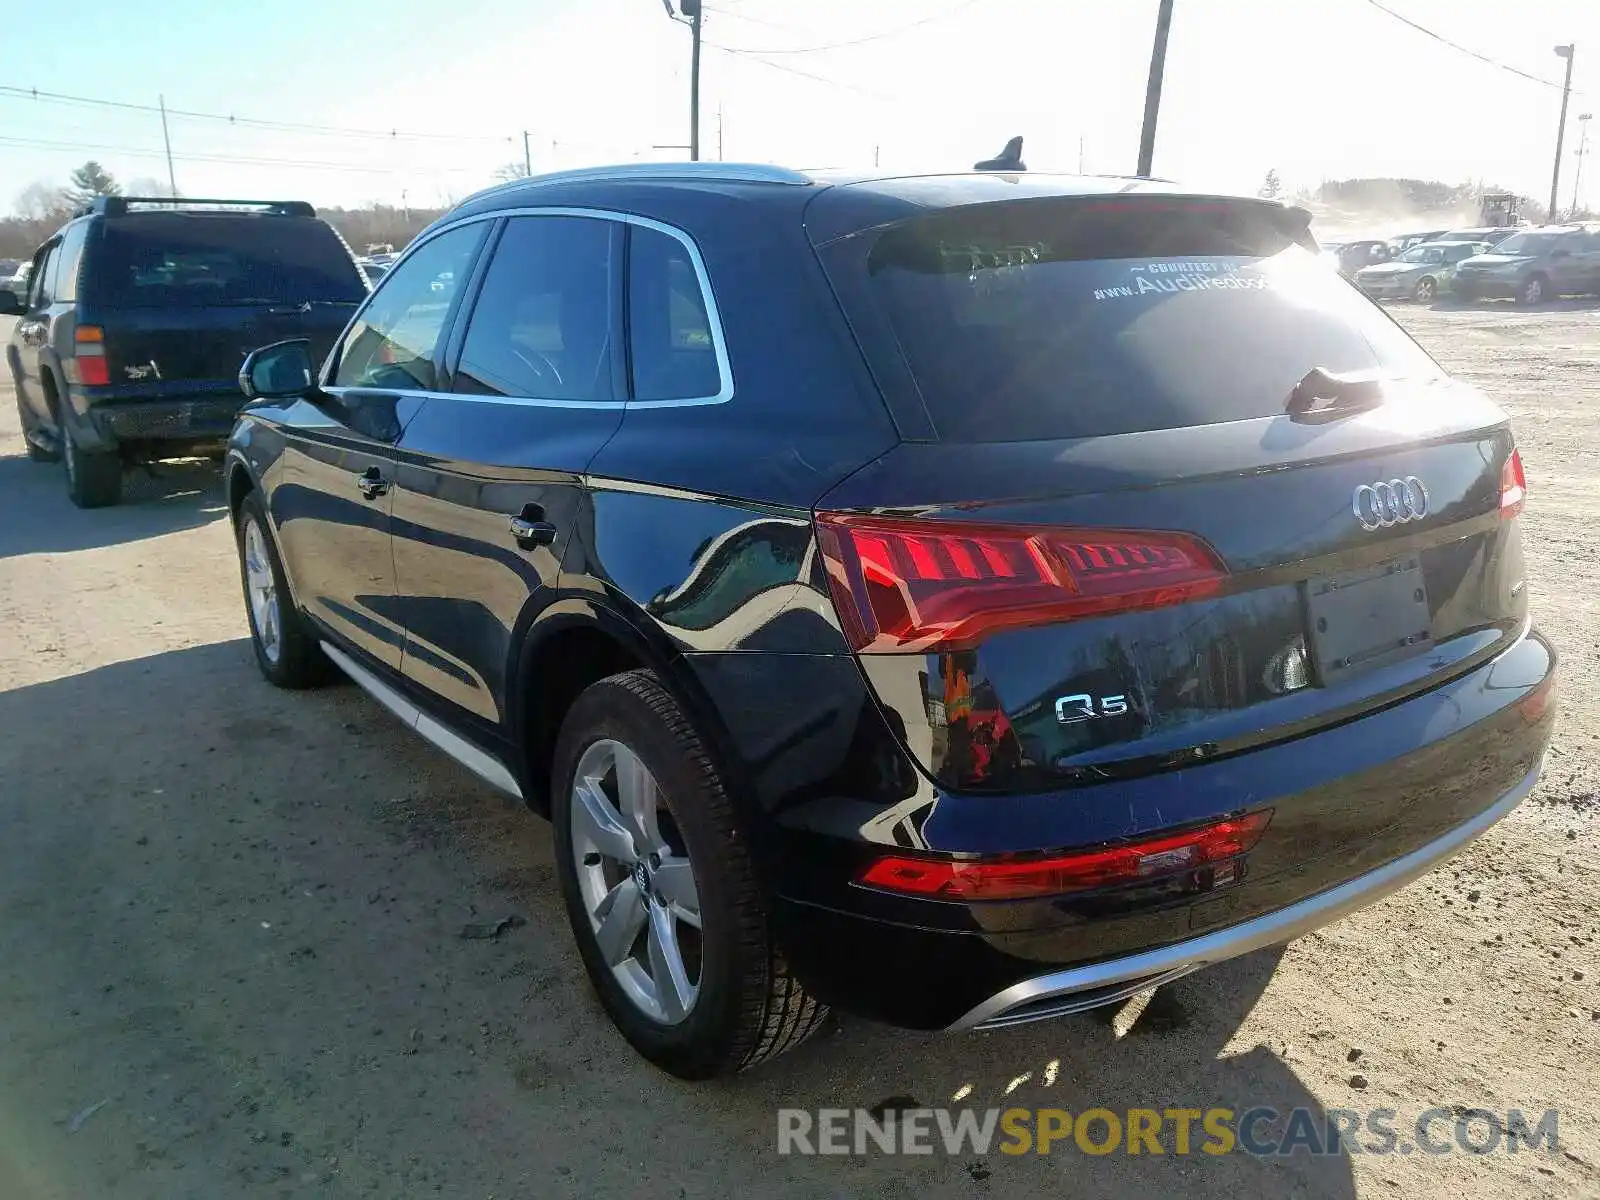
x=116, y=206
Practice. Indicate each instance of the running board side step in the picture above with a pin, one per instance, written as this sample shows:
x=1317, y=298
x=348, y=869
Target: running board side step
x=482, y=764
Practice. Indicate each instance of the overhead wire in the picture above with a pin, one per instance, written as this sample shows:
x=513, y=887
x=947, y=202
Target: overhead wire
x=1470, y=53
x=859, y=41
x=243, y=160
x=21, y=93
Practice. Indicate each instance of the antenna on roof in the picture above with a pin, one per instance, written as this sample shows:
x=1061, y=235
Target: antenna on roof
x=1010, y=159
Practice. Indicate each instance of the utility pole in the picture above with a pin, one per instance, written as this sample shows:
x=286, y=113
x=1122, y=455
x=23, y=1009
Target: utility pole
x=719, y=133
x=1583, y=146
x=1567, y=52
x=1152, y=91
x=1080, y=154
x=876, y=152
x=172, y=179
x=527, y=154
x=691, y=17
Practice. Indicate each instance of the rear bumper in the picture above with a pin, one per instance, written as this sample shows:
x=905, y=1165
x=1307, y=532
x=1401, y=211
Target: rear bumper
x=1387, y=290
x=1359, y=810
x=184, y=419
x=1078, y=988
x=1487, y=287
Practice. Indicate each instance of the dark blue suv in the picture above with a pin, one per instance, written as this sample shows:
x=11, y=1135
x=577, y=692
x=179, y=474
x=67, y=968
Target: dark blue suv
x=960, y=599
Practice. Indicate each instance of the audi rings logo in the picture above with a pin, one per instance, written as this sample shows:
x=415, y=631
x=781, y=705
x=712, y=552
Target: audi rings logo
x=1386, y=503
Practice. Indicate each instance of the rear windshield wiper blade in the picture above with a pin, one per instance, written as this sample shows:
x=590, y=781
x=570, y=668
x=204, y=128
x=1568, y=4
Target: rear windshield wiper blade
x=1322, y=395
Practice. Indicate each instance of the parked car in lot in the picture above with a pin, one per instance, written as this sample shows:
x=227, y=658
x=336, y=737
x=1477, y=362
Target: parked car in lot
x=16, y=281
x=137, y=318
x=1350, y=257
x=1535, y=265
x=1421, y=273
x=1492, y=234
x=372, y=270
x=739, y=520
x=1405, y=241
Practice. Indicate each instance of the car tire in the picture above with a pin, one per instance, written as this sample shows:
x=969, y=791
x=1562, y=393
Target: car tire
x=94, y=479
x=286, y=648
x=1426, y=291
x=1533, y=290
x=640, y=901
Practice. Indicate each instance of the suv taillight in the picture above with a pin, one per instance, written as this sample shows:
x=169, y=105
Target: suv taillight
x=89, y=355
x=1113, y=866
x=1513, y=486
x=913, y=585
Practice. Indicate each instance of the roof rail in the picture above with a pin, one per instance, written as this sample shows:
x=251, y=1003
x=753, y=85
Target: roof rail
x=116, y=206
x=713, y=171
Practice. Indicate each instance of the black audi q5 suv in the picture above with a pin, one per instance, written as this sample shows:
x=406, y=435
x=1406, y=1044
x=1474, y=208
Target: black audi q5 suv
x=960, y=599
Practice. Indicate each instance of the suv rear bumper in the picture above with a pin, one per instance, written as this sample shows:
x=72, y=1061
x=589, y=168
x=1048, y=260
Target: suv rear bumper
x=1079, y=988
x=199, y=418
x=1359, y=810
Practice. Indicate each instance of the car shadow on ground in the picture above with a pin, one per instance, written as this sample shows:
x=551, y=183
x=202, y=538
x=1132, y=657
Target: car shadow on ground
x=239, y=892
x=1564, y=304
x=161, y=499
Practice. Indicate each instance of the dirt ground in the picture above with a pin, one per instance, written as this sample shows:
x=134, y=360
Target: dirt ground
x=232, y=962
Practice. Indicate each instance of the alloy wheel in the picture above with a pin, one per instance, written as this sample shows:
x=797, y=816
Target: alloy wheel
x=262, y=587
x=1533, y=291
x=637, y=883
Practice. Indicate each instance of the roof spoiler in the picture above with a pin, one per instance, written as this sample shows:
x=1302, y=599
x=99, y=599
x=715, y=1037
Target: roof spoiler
x=116, y=206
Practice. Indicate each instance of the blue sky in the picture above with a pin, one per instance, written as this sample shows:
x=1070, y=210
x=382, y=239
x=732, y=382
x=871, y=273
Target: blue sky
x=1312, y=88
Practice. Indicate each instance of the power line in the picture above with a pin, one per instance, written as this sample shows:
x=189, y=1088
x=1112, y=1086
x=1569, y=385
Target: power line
x=243, y=160
x=871, y=37
x=756, y=58
x=21, y=93
x=1483, y=58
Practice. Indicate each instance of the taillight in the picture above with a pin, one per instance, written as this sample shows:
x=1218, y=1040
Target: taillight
x=1513, y=485
x=1014, y=879
x=89, y=353
x=909, y=585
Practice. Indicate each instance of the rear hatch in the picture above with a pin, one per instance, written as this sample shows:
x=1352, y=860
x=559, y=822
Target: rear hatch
x=1188, y=492
x=182, y=297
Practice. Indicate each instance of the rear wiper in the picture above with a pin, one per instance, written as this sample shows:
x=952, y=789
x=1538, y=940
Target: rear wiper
x=1323, y=396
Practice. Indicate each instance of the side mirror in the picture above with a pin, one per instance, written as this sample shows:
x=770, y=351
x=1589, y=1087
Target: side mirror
x=10, y=304
x=278, y=371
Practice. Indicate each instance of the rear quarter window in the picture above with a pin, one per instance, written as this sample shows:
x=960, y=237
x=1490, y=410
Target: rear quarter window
x=1064, y=318
x=154, y=260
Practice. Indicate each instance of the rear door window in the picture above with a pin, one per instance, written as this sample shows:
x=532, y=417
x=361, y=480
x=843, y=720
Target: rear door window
x=542, y=324
x=185, y=260
x=1069, y=318
x=66, y=284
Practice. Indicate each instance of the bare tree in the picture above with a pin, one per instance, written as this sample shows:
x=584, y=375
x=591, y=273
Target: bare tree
x=510, y=171
x=43, y=202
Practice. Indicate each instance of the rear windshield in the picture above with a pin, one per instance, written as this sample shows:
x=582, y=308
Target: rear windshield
x=157, y=260
x=1070, y=318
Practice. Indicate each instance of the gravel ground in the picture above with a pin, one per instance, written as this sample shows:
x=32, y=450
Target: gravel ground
x=231, y=924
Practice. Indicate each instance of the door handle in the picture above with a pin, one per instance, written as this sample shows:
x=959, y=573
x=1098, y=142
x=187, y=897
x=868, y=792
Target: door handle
x=372, y=483
x=530, y=529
